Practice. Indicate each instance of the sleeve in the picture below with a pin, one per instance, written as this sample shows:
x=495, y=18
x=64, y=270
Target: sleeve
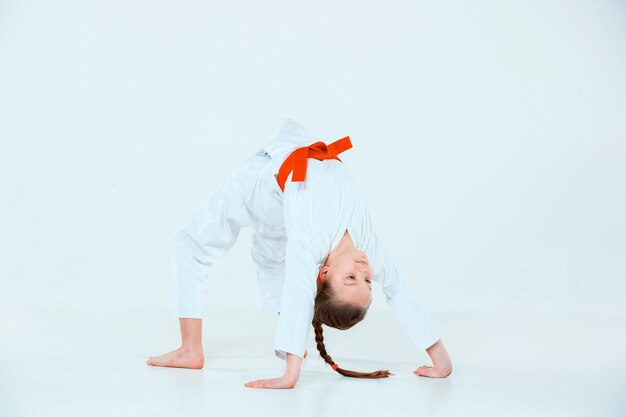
x=401, y=296
x=301, y=270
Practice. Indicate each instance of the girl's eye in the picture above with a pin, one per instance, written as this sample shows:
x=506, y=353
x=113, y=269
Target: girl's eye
x=369, y=281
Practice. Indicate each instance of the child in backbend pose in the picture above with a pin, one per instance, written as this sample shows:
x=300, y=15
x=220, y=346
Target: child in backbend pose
x=315, y=250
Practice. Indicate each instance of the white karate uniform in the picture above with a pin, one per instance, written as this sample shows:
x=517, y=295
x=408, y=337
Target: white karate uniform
x=294, y=231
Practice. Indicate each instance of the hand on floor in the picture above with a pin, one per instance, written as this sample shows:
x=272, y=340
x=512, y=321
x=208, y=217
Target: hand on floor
x=441, y=361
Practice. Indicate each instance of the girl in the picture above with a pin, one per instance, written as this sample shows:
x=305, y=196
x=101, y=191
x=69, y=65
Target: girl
x=315, y=251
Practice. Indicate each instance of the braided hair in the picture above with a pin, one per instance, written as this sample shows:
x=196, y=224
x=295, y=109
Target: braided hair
x=342, y=316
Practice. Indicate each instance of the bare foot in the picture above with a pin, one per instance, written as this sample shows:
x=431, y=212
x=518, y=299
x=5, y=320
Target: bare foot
x=179, y=358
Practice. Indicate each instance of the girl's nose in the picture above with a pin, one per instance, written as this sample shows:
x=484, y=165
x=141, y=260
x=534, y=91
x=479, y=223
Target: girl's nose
x=361, y=257
x=363, y=267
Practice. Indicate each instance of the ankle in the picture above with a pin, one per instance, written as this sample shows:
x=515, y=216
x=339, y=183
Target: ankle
x=191, y=348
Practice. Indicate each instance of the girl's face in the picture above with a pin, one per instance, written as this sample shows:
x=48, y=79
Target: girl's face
x=350, y=277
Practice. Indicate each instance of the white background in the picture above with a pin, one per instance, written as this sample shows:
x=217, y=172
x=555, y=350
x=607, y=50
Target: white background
x=490, y=138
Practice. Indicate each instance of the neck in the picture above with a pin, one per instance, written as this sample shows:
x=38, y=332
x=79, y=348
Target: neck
x=344, y=245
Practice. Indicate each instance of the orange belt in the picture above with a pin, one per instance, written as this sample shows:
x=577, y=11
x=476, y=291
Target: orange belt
x=296, y=161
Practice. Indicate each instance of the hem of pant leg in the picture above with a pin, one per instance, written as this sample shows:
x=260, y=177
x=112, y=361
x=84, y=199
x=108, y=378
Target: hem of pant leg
x=183, y=315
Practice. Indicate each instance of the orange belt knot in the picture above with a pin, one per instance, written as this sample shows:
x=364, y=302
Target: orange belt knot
x=297, y=160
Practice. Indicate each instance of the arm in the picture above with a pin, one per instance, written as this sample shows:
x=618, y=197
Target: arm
x=409, y=309
x=296, y=315
x=299, y=290
x=288, y=380
x=417, y=323
x=441, y=361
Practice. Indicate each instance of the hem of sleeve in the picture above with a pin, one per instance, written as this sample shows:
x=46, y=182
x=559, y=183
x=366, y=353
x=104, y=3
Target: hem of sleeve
x=431, y=340
x=283, y=352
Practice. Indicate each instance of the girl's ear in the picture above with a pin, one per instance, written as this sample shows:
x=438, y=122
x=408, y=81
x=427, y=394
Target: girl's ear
x=321, y=276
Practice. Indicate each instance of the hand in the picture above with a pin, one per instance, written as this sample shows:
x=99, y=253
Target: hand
x=433, y=372
x=282, y=382
x=441, y=360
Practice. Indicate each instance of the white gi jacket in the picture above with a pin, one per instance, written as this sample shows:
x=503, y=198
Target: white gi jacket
x=293, y=234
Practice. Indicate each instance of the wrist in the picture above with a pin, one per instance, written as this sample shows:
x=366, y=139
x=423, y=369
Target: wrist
x=439, y=355
x=292, y=377
x=293, y=364
x=443, y=364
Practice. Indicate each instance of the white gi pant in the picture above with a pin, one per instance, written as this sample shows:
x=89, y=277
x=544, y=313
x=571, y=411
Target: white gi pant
x=248, y=197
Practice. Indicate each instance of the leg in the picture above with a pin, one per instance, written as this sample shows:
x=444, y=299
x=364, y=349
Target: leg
x=268, y=254
x=210, y=232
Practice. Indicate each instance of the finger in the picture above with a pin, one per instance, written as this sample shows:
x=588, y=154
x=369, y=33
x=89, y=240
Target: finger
x=431, y=373
x=422, y=370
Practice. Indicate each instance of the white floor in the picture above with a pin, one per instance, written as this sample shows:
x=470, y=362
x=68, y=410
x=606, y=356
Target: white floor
x=89, y=360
